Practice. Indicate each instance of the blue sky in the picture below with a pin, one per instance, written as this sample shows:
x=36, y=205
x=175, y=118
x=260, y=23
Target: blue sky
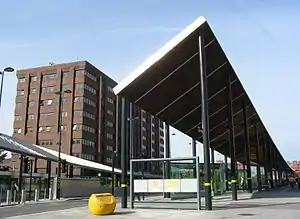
x=260, y=39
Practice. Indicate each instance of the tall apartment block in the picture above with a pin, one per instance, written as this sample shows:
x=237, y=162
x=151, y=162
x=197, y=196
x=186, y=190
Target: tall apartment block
x=79, y=97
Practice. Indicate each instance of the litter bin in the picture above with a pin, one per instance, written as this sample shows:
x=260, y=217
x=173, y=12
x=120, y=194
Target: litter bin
x=102, y=204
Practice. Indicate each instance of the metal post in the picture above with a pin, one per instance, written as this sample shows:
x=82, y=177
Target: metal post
x=226, y=173
x=213, y=169
x=205, y=124
x=194, y=154
x=48, y=177
x=20, y=180
x=30, y=178
x=231, y=141
x=247, y=148
x=123, y=155
x=116, y=147
x=257, y=158
x=167, y=155
x=269, y=151
x=1, y=88
x=266, y=158
x=130, y=132
x=198, y=182
x=131, y=184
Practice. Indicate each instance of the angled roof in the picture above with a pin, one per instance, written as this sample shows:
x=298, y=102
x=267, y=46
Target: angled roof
x=168, y=83
x=11, y=144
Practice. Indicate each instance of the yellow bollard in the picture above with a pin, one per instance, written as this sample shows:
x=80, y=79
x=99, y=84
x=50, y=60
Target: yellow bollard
x=102, y=204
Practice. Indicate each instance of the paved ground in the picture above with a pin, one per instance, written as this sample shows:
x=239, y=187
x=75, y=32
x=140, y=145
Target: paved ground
x=275, y=204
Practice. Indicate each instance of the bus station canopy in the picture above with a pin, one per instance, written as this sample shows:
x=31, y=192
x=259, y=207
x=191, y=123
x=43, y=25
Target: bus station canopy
x=167, y=85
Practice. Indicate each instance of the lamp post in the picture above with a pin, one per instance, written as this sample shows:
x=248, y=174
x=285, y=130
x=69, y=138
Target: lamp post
x=7, y=69
x=60, y=94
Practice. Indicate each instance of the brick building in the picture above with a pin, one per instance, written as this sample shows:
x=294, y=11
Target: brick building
x=82, y=97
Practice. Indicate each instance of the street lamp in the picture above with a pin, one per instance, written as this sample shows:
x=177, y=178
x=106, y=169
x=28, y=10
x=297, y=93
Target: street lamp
x=7, y=69
x=60, y=94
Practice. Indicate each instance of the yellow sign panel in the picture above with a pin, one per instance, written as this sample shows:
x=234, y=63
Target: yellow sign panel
x=172, y=183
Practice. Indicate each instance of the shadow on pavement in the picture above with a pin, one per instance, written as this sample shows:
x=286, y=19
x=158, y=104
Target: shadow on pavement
x=288, y=193
x=123, y=212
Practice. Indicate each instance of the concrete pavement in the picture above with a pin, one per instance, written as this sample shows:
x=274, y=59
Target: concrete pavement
x=275, y=204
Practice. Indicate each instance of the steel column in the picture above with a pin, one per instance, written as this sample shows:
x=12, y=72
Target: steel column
x=123, y=155
x=269, y=150
x=167, y=155
x=231, y=140
x=266, y=158
x=194, y=152
x=20, y=179
x=247, y=148
x=212, y=154
x=258, y=172
x=226, y=173
x=205, y=124
x=115, y=147
x=48, y=177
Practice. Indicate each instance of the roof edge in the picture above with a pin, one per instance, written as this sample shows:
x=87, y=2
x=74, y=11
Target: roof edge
x=159, y=54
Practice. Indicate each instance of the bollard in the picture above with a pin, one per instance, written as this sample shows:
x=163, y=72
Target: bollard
x=36, y=195
x=50, y=194
x=8, y=197
x=45, y=194
x=23, y=198
x=15, y=196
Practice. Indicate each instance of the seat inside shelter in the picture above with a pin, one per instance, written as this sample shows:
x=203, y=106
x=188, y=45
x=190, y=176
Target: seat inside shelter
x=168, y=83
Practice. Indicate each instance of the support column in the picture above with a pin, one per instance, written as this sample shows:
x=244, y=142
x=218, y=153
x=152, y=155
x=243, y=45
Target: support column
x=115, y=148
x=194, y=154
x=257, y=159
x=48, y=178
x=205, y=124
x=167, y=155
x=226, y=173
x=213, y=169
x=247, y=148
x=231, y=141
x=123, y=155
x=269, y=150
x=20, y=179
x=266, y=158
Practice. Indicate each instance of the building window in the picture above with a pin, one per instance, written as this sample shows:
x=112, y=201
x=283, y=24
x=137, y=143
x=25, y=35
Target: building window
x=64, y=100
x=77, y=99
x=45, y=128
x=77, y=113
x=34, y=78
x=109, y=112
x=20, y=93
x=108, y=160
x=49, y=77
x=109, y=148
x=18, y=118
x=109, y=124
x=110, y=89
x=65, y=87
x=110, y=100
x=22, y=80
x=76, y=127
x=89, y=115
x=66, y=74
x=79, y=72
x=33, y=91
x=17, y=130
x=88, y=143
x=45, y=142
x=46, y=115
x=76, y=141
x=31, y=104
x=47, y=102
x=88, y=129
x=86, y=87
x=20, y=105
x=29, y=129
x=109, y=136
x=89, y=102
x=48, y=89
x=31, y=116
x=63, y=127
x=64, y=114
